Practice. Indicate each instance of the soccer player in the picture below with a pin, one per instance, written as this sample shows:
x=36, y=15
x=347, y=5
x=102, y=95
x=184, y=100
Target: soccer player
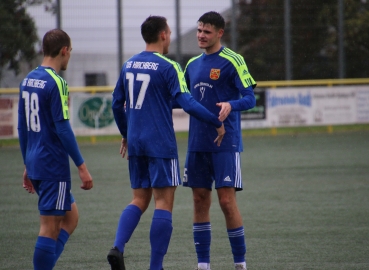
x=220, y=81
x=142, y=106
x=46, y=141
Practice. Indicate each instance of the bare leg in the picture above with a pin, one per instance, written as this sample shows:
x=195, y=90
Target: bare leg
x=50, y=226
x=164, y=198
x=235, y=230
x=202, y=202
x=70, y=220
x=228, y=204
x=142, y=198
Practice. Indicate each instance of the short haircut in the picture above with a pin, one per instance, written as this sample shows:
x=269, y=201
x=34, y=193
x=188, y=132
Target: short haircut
x=53, y=41
x=151, y=28
x=213, y=18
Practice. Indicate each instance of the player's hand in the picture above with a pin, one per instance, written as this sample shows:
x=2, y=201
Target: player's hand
x=85, y=177
x=27, y=184
x=221, y=131
x=225, y=110
x=123, y=148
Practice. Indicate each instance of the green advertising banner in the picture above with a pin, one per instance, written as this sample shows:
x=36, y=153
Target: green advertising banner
x=92, y=114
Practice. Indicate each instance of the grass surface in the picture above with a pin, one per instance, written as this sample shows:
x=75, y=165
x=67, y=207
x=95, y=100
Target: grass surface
x=305, y=205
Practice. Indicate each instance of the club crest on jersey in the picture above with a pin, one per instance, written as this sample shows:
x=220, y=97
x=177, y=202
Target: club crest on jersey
x=214, y=74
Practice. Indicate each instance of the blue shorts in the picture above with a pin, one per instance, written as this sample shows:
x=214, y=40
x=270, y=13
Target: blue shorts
x=147, y=172
x=204, y=168
x=55, y=197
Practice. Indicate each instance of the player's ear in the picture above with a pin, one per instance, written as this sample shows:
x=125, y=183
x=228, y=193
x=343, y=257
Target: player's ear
x=162, y=35
x=64, y=50
x=220, y=33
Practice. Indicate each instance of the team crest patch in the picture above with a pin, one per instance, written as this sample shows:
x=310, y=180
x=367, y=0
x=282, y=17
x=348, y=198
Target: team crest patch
x=214, y=74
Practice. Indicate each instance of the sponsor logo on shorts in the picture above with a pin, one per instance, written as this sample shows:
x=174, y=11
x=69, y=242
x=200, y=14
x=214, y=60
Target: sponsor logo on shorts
x=227, y=179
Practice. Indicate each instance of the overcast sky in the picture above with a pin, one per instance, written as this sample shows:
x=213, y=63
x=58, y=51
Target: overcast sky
x=92, y=23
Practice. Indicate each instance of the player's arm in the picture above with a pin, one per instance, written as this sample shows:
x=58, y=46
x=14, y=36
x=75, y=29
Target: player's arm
x=22, y=135
x=118, y=107
x=243, y=81
x=189, y=104
x=247, y=102
x=22, y=126
x=27, y=184
x=59, y=94
x=123, y=147
x=68, y=140
x=66, y=136
x=192, y=107
x=175, y=104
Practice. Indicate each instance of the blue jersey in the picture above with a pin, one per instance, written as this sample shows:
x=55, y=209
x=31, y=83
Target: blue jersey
x=147, y=85
x=219, y=77
x=43, y=100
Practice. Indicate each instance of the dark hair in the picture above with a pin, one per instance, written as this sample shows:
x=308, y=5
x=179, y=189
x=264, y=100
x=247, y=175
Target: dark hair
x=213, y=18
x=53, y=41
x=151, y=28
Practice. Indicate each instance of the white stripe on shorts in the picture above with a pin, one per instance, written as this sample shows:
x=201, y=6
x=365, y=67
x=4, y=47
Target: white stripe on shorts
x=238, y=179
x=61, y=197
x=175, y=181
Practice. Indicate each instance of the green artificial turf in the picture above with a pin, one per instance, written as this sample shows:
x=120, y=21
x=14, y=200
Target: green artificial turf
x=305, y=205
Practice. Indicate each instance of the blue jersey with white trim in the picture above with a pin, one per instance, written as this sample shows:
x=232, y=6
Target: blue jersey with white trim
x=43, y=100
x=219, y=77
x=147, y=84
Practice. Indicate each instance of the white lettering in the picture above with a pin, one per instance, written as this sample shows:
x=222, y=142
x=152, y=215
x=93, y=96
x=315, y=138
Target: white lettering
x=35, y=83
x=203, y=84
x=143, y=65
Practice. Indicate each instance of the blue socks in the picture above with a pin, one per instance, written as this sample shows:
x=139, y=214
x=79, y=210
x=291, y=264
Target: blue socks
x=160, y=234
x=44, y=255
x=48, y=251
x=62, y=239
x=238, y=245
x=202, y=240
x=127, y=224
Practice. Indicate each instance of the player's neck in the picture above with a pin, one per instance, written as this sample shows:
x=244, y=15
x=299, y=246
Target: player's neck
x=54, y=63
x=154, y=47
x=213, y=49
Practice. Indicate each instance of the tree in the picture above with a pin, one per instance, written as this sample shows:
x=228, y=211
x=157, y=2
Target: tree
x=314, y=34
x=18, y=33
x=357, y=38
x=260, y=37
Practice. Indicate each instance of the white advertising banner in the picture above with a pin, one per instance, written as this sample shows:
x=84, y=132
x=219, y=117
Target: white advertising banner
x=313, y=106
x=91, y=114
x=362, y=105
x=288, y=107
x=181, y=120
x=333, y=106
